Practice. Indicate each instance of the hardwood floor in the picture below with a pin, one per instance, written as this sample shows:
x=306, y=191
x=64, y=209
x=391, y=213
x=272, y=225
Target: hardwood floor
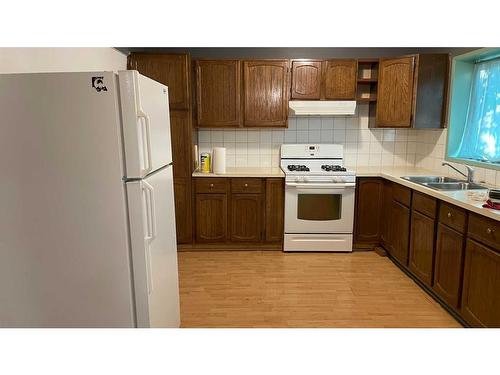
x=276, y=289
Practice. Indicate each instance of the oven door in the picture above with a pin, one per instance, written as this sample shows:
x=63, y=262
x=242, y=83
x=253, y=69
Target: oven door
x=319, y=207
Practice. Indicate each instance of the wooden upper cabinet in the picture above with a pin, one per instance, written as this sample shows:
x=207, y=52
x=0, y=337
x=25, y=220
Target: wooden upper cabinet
x=181, y=143
x=218, y=90
x=306, y=80
x=395, y=92
x=170, y=69
x=265, y=93
x=339, y=79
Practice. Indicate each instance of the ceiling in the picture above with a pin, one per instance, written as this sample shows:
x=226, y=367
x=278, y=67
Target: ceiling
x=295, y=52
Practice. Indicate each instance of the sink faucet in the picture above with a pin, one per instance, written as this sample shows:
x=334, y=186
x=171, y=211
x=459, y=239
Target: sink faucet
x=470, y=171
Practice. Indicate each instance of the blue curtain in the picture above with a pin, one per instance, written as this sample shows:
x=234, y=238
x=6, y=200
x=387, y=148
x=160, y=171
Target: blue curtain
x=481, y=138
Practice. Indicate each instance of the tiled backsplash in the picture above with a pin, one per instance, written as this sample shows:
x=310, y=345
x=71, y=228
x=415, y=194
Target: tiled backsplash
x=431, y=149
x=362, y=146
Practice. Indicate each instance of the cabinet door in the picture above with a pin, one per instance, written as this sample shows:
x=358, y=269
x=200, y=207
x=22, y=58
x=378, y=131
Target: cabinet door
x=422, y=247
x=395, y=92
x=481, y=289
x=368, y=211
x=246, y=217
x=448, y=264
x=218, y=93
x=181, y=143
x=275, y=203
x=211, y=217
x=265, y=93
x=306, y=79
x=339, y=79
x=183, y=210
x=170, y=69
x=400, y=232
x=385, y=217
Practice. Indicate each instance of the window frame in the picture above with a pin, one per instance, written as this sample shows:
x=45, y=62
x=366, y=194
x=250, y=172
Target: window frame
x=461, y=90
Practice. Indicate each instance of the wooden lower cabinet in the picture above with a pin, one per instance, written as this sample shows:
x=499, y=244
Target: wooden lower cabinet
x=211, y=217
x=448, y=264
x=183, y=210
x=454, y=253
x=275, y=209
x=385, y=226
x=239, y=211
x=421, y=247
x=367, y=226
x=481, y=287
x=399, y=232
x=246, y=217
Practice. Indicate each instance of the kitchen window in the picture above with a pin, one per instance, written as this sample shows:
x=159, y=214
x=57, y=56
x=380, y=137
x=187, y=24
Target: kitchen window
x=474, y=134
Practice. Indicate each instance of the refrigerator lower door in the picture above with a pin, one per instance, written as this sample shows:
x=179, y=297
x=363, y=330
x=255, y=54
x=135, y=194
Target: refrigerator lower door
x=154, y=250
x=146, y=123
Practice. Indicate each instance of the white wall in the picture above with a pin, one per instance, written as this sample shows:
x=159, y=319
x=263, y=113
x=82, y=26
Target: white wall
x=31, y=60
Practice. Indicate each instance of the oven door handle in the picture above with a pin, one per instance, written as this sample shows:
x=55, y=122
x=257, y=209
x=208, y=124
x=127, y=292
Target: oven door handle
x=313, y=185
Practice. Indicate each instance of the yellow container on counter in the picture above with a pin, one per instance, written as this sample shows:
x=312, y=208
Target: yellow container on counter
x=205, y=162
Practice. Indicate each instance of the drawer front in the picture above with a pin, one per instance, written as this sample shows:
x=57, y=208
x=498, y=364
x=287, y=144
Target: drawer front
x=401, y=194
x=452, y=216
x=211, y=185
x=246, y=185
x=424, y=204
x=485, y=230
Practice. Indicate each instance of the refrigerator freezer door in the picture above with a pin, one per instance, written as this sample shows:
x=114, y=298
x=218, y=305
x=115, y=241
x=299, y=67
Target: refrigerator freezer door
x=146, y=124
x=154, y=249
x=64, y=248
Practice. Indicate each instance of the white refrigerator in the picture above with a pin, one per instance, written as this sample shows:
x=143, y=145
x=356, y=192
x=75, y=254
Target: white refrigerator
x=87, y=223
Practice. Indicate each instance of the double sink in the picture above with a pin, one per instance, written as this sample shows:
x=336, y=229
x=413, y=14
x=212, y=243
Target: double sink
x=443, y=183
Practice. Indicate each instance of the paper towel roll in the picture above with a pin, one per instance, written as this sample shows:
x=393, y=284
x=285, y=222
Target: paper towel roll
x=219, y=160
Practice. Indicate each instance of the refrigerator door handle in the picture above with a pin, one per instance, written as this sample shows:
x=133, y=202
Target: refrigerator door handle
x=151, y=231
x=150, y=210
x=146, y=136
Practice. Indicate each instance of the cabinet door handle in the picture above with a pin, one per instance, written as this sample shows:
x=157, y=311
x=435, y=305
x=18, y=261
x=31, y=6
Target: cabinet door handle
x=489, y=231
x=211, y=186
x=246, y=185
x=449, y=214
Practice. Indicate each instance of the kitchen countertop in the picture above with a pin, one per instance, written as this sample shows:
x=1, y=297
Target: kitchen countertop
x=245, y=172
x=459, y=198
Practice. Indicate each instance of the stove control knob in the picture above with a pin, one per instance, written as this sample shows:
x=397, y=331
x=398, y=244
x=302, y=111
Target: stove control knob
x=306, y=179
x=297, y=179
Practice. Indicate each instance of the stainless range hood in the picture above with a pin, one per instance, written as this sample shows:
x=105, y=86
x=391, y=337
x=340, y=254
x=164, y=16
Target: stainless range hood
x=322, y=107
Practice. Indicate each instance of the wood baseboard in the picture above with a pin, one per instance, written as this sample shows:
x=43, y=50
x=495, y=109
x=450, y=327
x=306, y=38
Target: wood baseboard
x=380, y=251
x=231, y=247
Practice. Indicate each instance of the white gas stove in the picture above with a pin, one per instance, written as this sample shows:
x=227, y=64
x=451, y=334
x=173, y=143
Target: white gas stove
x=319, y=198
